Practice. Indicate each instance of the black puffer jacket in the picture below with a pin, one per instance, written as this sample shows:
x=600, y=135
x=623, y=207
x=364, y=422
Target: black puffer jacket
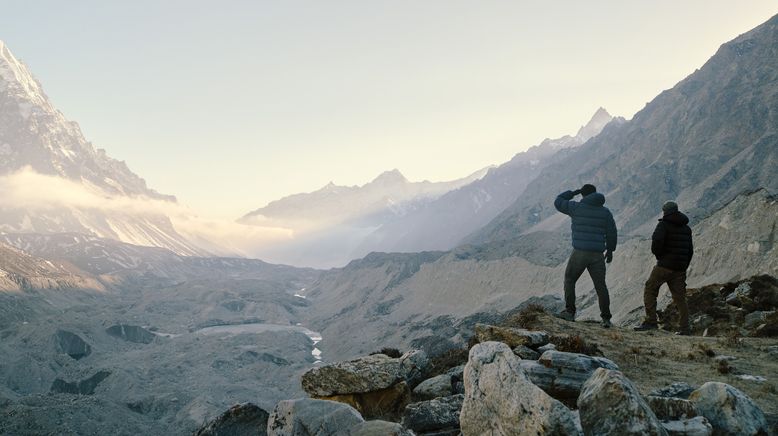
x=671, y=242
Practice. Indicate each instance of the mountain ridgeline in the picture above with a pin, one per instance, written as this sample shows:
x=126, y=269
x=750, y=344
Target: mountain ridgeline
x=703, y=142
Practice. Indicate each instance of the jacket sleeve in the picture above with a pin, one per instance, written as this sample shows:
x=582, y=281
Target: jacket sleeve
x=658, y=240
x=564, y=204
x=611, y=235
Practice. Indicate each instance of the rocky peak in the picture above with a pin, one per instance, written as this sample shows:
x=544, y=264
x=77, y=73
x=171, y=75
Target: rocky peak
x=17, y=80
x=595, y=125
x=393, y=177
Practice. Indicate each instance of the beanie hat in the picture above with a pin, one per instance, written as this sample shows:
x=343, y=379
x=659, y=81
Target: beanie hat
x=588, y=189
x=669, y=206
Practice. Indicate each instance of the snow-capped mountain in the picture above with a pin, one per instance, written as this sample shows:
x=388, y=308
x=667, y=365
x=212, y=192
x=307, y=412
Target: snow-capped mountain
x=467, y=209
x=53, y=180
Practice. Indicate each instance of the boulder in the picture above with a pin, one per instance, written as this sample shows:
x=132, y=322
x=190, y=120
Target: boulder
x=309, y=417
x=434, y=415
x=413, y=366
x=240, y=420
x=676, y=389
x=438, y=386
x=671, y=409
x=378, y=428
x=386, y=403
x=547, y=347
x=131, y=333
x=610, y=404
x=562, y=374
x=500, y=398
x=697, y=426
x=526, y=353
x=511, y=336
x=71, y=344
x=728, y=410
x=365, y=374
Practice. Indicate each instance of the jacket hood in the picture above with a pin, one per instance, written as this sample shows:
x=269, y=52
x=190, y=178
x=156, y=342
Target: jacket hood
x=594, y=199
x=676, y=218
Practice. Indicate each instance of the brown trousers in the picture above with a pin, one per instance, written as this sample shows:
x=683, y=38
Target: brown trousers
x=676, y=281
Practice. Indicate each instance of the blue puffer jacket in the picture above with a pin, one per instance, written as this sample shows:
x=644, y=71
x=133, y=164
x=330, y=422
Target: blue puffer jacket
x=593, y=225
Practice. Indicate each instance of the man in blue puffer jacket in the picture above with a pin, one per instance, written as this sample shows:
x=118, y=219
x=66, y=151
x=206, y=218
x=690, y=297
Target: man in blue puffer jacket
x=594, y=233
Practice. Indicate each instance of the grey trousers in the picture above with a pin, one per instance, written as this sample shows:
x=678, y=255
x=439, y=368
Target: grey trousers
x=594, y=262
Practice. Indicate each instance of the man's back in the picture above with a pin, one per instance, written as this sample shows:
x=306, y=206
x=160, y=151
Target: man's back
x=593, y=227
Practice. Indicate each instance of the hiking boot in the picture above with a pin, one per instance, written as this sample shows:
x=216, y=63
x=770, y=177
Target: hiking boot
x=567, y=316
x=646, y=326
x=606, y=324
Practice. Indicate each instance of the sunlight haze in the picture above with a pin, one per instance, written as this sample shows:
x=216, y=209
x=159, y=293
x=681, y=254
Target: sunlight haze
x=230, y=105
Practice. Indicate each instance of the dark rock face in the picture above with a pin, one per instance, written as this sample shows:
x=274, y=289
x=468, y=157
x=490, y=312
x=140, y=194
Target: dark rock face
x=131, y=333
x=72, y=344
x=439, y=414
x=240, y=420
x=83, y=387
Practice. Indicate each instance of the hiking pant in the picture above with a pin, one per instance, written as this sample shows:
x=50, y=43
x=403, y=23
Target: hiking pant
x=676, y=281
x=594, y=262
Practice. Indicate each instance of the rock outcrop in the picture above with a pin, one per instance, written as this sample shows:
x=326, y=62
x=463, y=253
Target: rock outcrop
x=562, y=374
x=611, y=405
x=746, y=307
x=240, y=420
x=500, y=398
x=309, y=417
x=729, y=410
x=72, y=344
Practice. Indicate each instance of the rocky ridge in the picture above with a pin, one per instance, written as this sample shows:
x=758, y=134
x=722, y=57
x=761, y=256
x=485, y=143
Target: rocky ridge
x=500, y=395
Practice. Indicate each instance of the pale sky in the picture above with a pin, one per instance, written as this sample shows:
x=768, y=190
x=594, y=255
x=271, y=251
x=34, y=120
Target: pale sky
x=231, y=104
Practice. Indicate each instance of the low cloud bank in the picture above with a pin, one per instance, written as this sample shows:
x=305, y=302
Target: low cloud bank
x=37, y=193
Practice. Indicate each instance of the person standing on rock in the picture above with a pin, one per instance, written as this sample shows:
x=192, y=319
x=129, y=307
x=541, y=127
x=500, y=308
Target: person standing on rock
x=672, y=245
x=594, y=233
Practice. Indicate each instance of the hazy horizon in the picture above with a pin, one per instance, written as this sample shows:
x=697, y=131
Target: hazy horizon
x=231, y=107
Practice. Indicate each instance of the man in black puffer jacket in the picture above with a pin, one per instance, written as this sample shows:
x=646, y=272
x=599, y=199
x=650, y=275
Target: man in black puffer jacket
x=594, y=240
x=672, y=245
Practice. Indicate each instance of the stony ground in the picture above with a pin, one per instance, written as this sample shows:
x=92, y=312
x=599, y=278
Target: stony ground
x=655, y=359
